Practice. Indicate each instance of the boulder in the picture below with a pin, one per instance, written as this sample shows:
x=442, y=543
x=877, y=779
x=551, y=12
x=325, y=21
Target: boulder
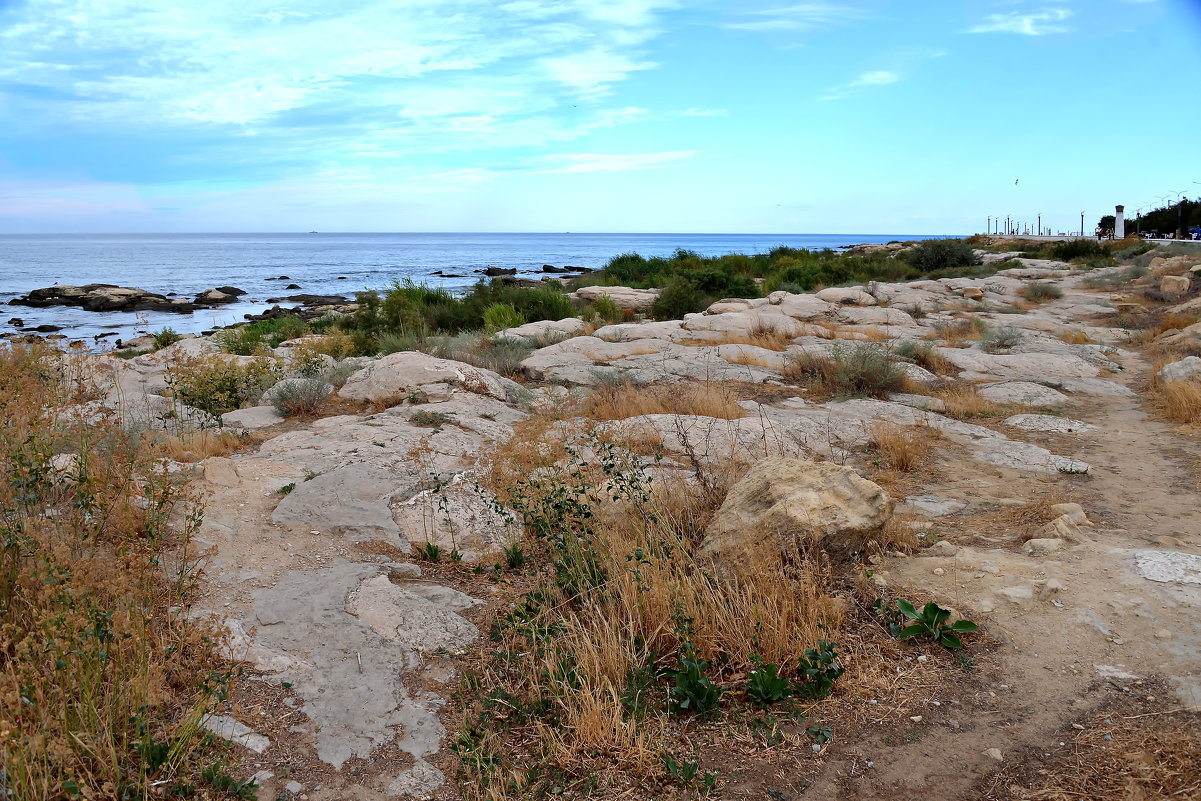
x=1174, y=284
x=544, y=330
x=1185, y=369
x=215, y=296
x=802, y=307
x=251, y=418
x=494, y=272
x=1175, y=265
x=782, y=504
x=622, y=296
x=972, y=293
x=846, y=296
x=391, y=379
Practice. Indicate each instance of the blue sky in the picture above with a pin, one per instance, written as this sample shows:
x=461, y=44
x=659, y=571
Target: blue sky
x=592, y=115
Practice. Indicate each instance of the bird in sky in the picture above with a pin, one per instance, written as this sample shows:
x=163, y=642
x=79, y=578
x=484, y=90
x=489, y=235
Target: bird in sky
x=1015, y=181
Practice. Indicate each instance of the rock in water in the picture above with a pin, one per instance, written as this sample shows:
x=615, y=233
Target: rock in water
x=782, y=503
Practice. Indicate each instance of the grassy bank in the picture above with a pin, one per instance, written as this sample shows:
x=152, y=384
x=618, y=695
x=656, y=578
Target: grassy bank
x=104, y=681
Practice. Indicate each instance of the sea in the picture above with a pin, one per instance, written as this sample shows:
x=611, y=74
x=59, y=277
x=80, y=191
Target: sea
x=184, y=265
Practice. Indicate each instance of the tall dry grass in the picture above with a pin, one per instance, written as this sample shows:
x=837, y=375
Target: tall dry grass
x=623, y=400
x=580, y=659
x=1180, y=401
x=103, y=679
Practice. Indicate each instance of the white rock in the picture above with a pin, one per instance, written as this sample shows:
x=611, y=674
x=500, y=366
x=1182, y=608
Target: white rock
x=849, y=296
x=1047, y=422
x=236, y=732
x=1168, y=567
x=1023, y=392
x=1188, y=368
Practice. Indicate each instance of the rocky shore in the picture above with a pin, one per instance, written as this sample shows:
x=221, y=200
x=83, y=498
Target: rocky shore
x=312, y=531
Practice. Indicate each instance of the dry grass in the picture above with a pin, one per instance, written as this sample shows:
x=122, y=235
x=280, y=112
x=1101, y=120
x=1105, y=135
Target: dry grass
x=1139, y=756
x=961, y=331
x=963, y=402
x=1073, y=336
x=1180, y=401
x=626, y=596
x=620, y=401
x=196, y=445
x=102, y=685
x=902, y=448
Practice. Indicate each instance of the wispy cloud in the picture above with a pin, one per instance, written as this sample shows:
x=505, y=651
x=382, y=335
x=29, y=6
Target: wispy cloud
x=798, y=17
x=876, y=78
x=389, y=71
x=1027, y=23
x=598, y=162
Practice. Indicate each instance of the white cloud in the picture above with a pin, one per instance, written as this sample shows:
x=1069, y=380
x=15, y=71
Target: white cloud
x=876, y=78
x=123, y=64
x=1031, y=23
x=598, y=162
x=798, y=17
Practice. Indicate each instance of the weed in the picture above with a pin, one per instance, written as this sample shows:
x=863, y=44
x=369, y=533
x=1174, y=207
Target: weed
x=286, y=488
x=514, y=555
x=428, y=419
x=931, y=622
x=167, y=336
x=924, y=354
x=298, y=397
x=942, y=255
x=682, y=772
x=613, y=400
x=765, y=686
x=500, y=316
x=694, y=692
x=818, y=670
x=1001, y=339
x=859, y=369
x=606, y=309
x=823, y=734
x=902, y=448
x=431, y=551
x=1039, y=291
x=221, y=779
x=1179, y=400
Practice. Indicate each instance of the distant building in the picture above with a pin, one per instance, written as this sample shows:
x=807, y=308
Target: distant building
x=1119, y=222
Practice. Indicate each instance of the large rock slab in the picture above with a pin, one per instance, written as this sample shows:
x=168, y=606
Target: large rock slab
x=622, y=296
x=1024, y=393
x=785, y=503
x=544, y=330
x=352, y=501
x=392, y=378
x=1048, y=423
x=1168, y=567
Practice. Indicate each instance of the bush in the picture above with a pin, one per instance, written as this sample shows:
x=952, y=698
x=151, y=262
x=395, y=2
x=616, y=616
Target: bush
x=500, y=316
x=165, y=338
x=1038, y=292
x=216, y=385
x=861, y=369
x=606, y=309
x=678, y=298
x=1001, y=339
x=299, y=396
x=101, y=679
x=941, y=255
x=254, y=338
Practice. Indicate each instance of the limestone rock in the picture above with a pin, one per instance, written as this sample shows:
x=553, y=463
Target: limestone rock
x=1072, y=511
x=544, y=330
x=846, y=296
x=221, y=471
x=972, y=293
x=1042, y=546
x=1168, y=567
x=252, y=418
x=932, y=505
x=622, y=296
x=236, y=732
x=783, y=502
x=390, y=379
x=1174, y=284
x=1023, y=392
x=1047, y=422
x=1188, y=368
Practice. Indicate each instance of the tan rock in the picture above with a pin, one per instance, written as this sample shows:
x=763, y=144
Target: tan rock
x=622, y=296
x=1072, y=511
x=221, y=471
x=1176, y=284
x=972, y=293
x=784, y=503
x=392, y=378
x=1176, y=265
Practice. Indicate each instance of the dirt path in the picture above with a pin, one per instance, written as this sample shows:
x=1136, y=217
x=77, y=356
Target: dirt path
x=1072, y=627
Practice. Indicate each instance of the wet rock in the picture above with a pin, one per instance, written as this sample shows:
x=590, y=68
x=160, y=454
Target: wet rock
x=494, y=272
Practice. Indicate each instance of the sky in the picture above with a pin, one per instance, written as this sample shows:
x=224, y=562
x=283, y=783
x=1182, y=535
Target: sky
x=760, y=116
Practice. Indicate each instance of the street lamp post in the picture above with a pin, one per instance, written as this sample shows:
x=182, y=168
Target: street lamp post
x=1040, y=223
x=1082, y=224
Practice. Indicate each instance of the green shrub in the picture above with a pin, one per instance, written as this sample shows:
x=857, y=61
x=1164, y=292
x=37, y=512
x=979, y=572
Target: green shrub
x=678, y=298
x=1038, y=292
x=606, y=309
x=942, y=255
x=217, y=385
x=165, y=338
x=864, y=369
x=299, y=396
x=1000, y=339
x=500, y=316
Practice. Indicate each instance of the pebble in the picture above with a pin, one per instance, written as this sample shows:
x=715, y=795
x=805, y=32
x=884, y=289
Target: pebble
x=993, y=753
x=938, y=571
x=916, y=718
x=954, y=724
x=294, y=787
x=817, y=749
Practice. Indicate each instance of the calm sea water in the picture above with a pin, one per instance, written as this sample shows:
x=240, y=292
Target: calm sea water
x=324, y=264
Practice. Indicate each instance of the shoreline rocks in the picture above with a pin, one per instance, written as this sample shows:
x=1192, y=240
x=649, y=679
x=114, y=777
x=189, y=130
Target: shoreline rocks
x=111, y=297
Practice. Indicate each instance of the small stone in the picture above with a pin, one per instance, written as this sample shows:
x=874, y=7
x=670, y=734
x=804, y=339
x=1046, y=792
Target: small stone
x=916, y=718
x=993, y=753
x=817, y=749
x=1163, y=634
x=940, y=548
x=1077, y=726
x=954, y=724
x=938, y=571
